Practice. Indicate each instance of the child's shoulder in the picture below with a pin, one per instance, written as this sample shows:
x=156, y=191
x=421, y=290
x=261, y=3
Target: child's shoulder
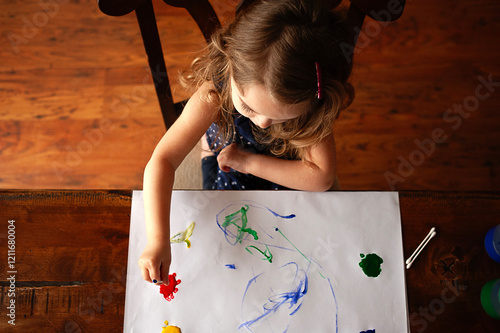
x=204, y=101
x=210, y=92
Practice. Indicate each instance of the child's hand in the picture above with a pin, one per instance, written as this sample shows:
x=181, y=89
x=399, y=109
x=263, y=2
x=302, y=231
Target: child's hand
x=233, y=157
x=155, y=262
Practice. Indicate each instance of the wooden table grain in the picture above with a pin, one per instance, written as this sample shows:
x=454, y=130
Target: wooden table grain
x=71, y=252
x=71, y=258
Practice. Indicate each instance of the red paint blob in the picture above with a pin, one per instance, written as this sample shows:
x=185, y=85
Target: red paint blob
x=168, y=291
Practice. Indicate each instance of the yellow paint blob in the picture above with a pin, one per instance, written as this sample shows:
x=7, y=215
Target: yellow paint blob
x=183, y=236
x=170, y=329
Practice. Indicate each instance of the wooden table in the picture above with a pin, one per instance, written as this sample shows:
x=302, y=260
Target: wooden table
x=71, y=252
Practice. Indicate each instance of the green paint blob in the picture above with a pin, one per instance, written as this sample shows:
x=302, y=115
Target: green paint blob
x=240, y=216
x=371, y=264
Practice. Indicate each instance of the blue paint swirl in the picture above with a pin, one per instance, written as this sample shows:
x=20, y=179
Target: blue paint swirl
x=291, y=299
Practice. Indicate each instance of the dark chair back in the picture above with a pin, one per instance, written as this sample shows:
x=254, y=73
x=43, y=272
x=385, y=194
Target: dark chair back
x=202, y=13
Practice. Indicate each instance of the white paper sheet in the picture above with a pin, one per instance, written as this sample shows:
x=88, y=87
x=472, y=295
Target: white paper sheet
x=312, y=283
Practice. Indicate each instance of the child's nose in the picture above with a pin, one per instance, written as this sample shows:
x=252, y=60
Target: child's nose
x=263, y=122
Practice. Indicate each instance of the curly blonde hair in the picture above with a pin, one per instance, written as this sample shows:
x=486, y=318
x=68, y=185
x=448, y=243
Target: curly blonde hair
x=276, y=43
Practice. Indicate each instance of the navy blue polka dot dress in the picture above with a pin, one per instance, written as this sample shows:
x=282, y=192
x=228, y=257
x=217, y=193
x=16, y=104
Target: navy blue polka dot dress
x=216, y=179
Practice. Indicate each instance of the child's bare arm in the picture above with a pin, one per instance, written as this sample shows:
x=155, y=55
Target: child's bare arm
x=159, y=177
x=316, y=173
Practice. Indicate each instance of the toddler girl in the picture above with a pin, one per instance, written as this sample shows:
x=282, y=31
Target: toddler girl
x=267, y=92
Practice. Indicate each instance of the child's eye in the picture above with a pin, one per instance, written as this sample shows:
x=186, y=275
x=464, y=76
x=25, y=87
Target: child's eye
x=246, y=108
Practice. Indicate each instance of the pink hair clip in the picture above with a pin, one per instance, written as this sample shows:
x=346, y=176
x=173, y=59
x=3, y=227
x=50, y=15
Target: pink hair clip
x=318, y=79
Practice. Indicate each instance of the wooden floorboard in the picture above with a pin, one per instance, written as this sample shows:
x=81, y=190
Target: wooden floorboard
x=78, y=110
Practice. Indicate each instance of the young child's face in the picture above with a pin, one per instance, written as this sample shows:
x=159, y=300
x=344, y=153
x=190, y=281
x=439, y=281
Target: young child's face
x=257, y=104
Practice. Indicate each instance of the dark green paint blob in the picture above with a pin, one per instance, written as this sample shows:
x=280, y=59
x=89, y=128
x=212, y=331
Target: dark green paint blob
x=371, y=264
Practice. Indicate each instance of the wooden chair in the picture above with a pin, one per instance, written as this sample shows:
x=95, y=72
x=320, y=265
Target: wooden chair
x=380, y=10
x=207, y=20
x=204, y=16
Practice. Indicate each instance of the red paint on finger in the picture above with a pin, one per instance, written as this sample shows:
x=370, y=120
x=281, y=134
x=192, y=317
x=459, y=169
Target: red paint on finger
x=169, y=291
